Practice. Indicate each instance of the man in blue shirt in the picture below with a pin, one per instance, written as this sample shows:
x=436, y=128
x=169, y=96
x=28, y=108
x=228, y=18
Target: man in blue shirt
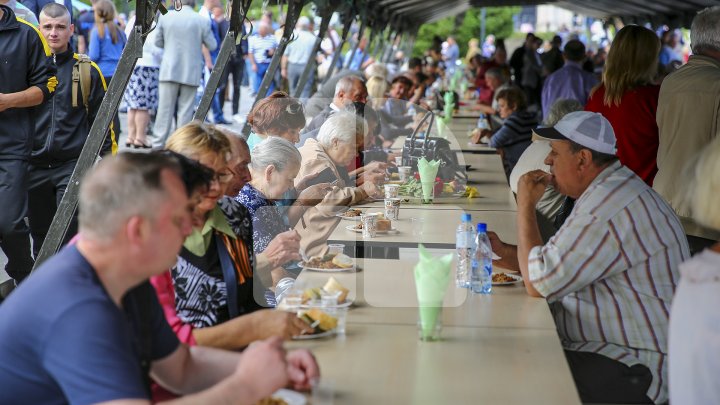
x=570, y=81
x=87, y=327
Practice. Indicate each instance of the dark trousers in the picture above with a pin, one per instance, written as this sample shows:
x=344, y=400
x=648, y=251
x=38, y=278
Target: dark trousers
x=46, y=186
x=14, y=232
x=234, y=68
x=602, y=379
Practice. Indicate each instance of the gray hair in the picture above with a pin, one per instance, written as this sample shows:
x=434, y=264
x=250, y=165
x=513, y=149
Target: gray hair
x=705, y=31
x=344, y=126
x=560, y=108
x=275, y=151
x=345, y=84
x=120, y=187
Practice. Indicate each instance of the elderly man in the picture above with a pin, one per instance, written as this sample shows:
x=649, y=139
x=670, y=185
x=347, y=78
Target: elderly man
x=348, y=90
x=99, y=286
x=260, y=53
x=610, y=271
x=181, y=34
x=298, y=54
x=688, y=117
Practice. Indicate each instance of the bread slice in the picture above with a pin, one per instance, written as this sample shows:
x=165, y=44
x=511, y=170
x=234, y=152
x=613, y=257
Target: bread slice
x=333, y=285
x=383, y=225
x=327, y=322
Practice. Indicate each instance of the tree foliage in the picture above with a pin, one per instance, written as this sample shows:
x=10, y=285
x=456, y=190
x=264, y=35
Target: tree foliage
x=498, y=21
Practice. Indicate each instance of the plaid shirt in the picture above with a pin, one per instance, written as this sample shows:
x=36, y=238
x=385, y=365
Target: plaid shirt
x=610, y=272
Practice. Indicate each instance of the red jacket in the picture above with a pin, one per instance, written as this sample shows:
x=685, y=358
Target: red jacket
x=635, y=127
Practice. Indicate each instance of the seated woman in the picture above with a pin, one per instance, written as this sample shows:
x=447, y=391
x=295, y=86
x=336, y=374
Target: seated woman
x=276, y=115
x=515, y=135
x=337, y=144
x=212, y=282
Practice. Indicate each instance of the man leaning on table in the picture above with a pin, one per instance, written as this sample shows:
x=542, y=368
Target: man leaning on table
x=610, y=271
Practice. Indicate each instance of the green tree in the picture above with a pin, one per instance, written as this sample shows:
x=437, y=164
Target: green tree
x=498, y=21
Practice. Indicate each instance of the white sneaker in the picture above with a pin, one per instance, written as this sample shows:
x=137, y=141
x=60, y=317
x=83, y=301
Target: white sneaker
x=239, y=119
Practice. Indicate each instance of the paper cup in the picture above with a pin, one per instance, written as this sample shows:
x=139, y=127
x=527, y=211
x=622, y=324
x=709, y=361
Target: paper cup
x=391, y=190
x=369, y=223
x=392, y=208
x=404, y=173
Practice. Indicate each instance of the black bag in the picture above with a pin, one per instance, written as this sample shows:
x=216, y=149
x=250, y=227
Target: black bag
x=432, y=149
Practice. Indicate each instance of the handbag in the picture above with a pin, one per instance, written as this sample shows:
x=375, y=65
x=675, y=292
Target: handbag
x=432, y=148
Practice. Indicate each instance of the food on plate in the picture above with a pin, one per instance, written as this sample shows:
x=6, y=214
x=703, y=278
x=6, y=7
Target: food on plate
x=324, y=321
x=330, y=261
x=394, y=176
x=272, y=401
x=311, y=294
x=383, y=224
x=352, y=213
x=502, y=278
x=333, y=285
x=342, y=260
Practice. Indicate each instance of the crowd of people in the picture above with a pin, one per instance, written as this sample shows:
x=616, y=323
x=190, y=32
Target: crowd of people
x=179, y=255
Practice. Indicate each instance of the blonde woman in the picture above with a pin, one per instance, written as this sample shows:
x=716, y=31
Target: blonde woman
x=628, y=98
x=377, y=88
x=107, y=41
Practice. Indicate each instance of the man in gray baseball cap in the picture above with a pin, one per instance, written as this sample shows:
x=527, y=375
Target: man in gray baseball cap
x=610, y=271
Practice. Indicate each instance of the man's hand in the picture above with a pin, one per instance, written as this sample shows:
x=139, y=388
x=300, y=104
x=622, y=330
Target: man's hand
x=209, y=65
x=302, y=184
x=372, y=190
x=268, y=356
x=508, y=253
x=268, y=323
x=302, y=368
x=378, y=167
x=531, y=187
x=314, y=194
x=254, y=68
x=283, y=73
x=283, y=248
x=4, y=102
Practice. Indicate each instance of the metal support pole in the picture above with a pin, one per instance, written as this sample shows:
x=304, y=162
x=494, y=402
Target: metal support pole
x=356, y=46
x=293, y=13
x=326, y=14
x=389, y=50
x=349, y=17
x=227, y=49
x=108, y=108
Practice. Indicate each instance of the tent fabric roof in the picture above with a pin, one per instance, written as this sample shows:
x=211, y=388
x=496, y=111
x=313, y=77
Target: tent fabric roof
x=674, y=13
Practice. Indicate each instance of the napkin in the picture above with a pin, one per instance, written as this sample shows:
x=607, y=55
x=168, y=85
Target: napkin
x=432, y=275
x=428, y=172
x=449, y=99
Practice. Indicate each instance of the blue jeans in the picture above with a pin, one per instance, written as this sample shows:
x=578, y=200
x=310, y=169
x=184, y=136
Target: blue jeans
x=261, y=69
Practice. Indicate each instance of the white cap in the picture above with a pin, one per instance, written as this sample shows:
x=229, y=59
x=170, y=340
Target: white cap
x=585, y=128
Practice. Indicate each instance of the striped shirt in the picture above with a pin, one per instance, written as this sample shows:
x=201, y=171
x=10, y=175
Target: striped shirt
x=610, y=272
x=514, y=136
x=259, y=46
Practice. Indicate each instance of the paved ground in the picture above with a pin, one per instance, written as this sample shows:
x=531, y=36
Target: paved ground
x=245, y=104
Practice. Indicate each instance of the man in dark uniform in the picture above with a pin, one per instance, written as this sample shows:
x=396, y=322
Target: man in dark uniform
x=28, y=79
x=61, y=129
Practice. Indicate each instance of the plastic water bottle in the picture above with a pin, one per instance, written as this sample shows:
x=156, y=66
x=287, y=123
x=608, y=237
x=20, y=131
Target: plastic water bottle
x=481, y=275
x=464, y=246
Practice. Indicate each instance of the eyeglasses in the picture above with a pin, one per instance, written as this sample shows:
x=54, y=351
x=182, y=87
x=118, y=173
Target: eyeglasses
x=294, y=108
x=223, y=178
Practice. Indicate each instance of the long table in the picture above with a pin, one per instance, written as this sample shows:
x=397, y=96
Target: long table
x=499, y=348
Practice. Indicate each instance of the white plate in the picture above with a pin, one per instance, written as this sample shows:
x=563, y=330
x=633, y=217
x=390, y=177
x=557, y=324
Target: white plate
x=302, y=264
x=518, y=279
x=357, y=218
x=352, y=228
x=315, y=335
x=345, y=304
x=290, y=396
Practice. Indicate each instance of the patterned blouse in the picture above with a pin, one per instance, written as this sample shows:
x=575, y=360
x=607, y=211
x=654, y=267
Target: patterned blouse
x=267, y=220
x=201, y=291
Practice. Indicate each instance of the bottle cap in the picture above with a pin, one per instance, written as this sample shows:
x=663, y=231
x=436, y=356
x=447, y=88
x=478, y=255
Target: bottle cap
x=466, y=218
x=481, y=227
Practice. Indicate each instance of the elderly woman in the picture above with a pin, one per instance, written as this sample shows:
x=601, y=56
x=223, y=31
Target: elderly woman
x=338, y=142
x=276, y=115
x=210, y=295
